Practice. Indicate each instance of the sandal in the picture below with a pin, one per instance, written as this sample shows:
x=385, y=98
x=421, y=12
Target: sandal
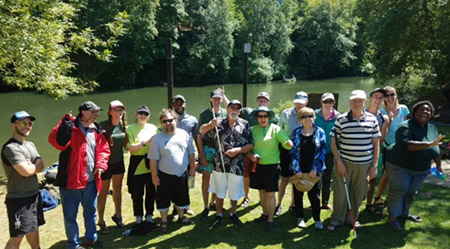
x=103, y=228
x=185, y=221
x=414, y=218
x=396, y=225
x=331, y=227
x=373, y=209
x=379, y=202
x=163, y=227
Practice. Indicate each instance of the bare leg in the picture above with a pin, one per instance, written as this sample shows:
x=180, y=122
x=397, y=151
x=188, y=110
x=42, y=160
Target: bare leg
x=14, y=243
x=206, y=176
x=270, y=204
x=213, y=198
x=219, y=206
x=370, y=192
x=382, y=184
x=164, y=216
x=262, y=201
x=33, y=239
x=282, y=189
x=233, y=206
x=101, y=202
x=117, y=194
x=246, y=187
x=292, y=197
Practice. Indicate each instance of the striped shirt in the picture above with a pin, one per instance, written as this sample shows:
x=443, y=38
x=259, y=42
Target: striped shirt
x=355, y=137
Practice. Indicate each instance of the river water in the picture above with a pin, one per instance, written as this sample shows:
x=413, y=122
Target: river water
x=49, y=111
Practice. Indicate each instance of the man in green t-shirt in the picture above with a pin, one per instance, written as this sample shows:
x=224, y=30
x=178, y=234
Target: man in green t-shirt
x=21, y=162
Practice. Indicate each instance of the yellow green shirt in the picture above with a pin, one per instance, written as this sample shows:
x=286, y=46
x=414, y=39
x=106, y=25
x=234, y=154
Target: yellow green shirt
x=266, y=143
x=136, y=135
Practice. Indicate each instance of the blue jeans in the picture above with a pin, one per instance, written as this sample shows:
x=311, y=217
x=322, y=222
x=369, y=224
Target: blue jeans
x=403, y=186
x=70, y=200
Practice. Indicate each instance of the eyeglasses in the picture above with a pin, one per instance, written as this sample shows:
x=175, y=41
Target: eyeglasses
x=307, y=116
x=328, y=102
x=167, y=121
x=391, y=95
x=143, y=113
x=235, y=108
x=263, y=116
x=24, y=124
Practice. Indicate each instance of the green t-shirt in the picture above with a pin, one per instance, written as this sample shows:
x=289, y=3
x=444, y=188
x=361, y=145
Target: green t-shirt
x=246, y=113
x=410, y=130
x=266, y=143
x=207, y=116
x=13, y=153
x=116, y=137
x=136, y=135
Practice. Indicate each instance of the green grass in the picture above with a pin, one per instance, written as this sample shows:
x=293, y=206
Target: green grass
x=432, y=204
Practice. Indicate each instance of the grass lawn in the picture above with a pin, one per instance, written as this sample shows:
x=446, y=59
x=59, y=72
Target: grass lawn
x=432, y=204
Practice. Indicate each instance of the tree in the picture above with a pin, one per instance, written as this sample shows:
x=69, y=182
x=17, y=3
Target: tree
x=37, y=38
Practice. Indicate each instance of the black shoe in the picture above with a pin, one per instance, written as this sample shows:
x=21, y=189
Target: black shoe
x=262, y=218
x=269, y=227
x=217, y=222
x=292, y=211
x=235, y=219
x=118, y=221
x=93, y=244
x=212, y=206
x=205, y=214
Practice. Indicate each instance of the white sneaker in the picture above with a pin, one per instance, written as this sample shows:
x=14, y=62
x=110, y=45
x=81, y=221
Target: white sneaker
x=318, y=224
x=138, y=219
x=301, y=223
x=149, y=218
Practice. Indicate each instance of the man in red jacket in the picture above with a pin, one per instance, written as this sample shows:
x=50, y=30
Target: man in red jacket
x=83, y=158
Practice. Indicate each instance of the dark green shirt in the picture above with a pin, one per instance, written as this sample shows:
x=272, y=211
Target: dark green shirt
x=246, y=113
x=116, y=139
x=207, y=116
x=410, y=130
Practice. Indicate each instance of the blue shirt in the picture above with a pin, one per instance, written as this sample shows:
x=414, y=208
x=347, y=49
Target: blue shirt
x=319, y=154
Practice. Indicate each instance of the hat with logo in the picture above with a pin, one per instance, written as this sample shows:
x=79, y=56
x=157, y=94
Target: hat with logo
x=217, y=93
x=263, y=95
x=143, y=108
x=301, y=98
x=21, y=115
x=326, y=96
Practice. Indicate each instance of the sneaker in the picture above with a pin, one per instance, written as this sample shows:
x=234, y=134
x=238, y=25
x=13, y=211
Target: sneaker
x=318, y=225
x=189, y=211
x=301, y=223
x=149, y=218
x=138, y=219
x=79, y=247
x=217, y=222
x=245, y=202
x=262, y=218
x=93, y=244
x=235, y=219
x=278, y=210
x=205, y=214
x=326, y=207
x=118, y=220
x=269, y=227
x=103, y=229
x=212, y=206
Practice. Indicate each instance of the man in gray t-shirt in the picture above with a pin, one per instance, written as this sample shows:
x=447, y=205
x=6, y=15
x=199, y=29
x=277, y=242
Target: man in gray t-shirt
x=171, y=151
x=21, y=162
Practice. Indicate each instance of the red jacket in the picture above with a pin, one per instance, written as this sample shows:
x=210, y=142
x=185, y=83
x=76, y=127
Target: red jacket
x=71, y=141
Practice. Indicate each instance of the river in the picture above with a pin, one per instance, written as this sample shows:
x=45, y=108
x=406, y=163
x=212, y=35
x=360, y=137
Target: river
x=49, y=111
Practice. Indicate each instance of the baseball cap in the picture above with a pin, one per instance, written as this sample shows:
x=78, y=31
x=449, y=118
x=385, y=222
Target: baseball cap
x=21, y=115
x=89, y=106
x=301, y=98
x=116, y=103
x=143, y=108
x=379, y=90
x=263, y=95
x=217, y=93
x=358, y=94
x=326, y=96
x=178, y=97
x=235, y=102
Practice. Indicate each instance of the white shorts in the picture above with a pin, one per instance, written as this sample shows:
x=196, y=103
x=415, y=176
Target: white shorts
x=221, y=182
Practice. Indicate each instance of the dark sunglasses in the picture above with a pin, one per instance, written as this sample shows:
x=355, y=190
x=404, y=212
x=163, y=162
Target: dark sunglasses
x=391, y=95
x=167, y=121
x=263, y=116
x=143, y=113
x=328, y=102
x=24, y=124
x=306, y=116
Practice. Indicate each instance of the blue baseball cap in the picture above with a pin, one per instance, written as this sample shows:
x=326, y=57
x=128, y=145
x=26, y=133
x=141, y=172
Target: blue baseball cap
x=21, y=115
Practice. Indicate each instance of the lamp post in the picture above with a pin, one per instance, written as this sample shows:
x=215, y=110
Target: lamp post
x=247, y=49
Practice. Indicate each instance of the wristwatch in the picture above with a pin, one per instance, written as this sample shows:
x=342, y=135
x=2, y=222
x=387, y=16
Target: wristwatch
x=143, y=144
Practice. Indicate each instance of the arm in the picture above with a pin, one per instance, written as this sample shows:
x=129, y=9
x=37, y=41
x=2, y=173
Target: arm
x=234, y=151
x=225, y=99
x=60, y=135
x=340, y=165
x=421, y=145
x=437, y=160
x=295, y=154
x=154, y=172
x=384, y=131
x=102, y=155
x=28, y=169
x=201, y=152
x=192, y=163
x=376, y=154
x=319, y=157
x=208, y=126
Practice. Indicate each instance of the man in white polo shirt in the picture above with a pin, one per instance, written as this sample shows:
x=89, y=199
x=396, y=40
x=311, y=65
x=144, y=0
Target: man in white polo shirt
x=355, y=140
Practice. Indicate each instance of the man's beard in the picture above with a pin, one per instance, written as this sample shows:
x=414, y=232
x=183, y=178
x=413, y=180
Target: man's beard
x=22, y=132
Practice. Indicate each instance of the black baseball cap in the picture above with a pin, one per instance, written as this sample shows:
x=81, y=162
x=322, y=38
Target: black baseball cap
x=89, y=106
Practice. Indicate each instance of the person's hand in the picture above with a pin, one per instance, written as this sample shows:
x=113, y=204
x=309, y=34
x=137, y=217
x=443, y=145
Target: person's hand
x=313, y=173
x=213, y=123
x=99, y=171
x=192, y=171
x=390, y=117
x=437, y=141
x=372, y=173
x=68, y=115
x=203, y=161
x=232, y=152
x=341, y=169
x=155, y=180
x=223, y=90
x=299, y=174
x=252, y=157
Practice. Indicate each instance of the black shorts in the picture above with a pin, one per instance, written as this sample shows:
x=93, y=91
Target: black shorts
x=172, y=189
x=113, y=169
x=27, y=210
x=265, y=178
x=285, y=162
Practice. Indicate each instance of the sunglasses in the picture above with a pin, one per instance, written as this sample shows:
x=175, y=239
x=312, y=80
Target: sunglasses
x=328, y=102
x=235, y=108
x=306, y=116
x=143, y=113
x=167, y=121
x=24, y=124
x=391, y=95
x=263, y=116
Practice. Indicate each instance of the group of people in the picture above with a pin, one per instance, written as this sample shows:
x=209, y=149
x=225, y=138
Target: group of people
x=238, y=149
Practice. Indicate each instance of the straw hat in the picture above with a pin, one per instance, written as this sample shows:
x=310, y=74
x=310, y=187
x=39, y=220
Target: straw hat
x=303, y=183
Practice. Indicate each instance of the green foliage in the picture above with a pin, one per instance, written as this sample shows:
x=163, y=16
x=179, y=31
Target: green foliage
x=282, y=106
x=37, y=38
x=324, y=39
